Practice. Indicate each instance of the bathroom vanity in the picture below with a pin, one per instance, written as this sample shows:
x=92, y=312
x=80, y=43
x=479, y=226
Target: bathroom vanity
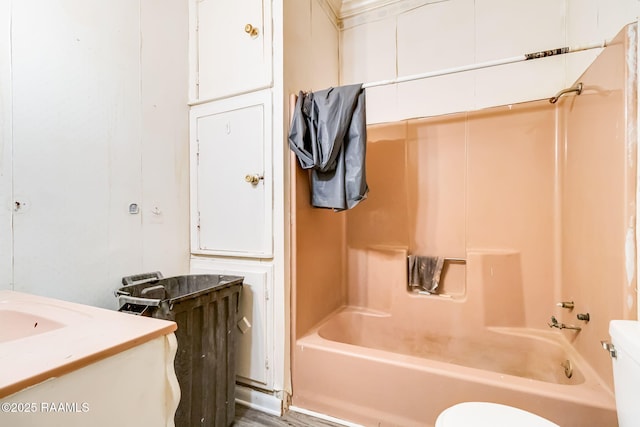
x=69, y=364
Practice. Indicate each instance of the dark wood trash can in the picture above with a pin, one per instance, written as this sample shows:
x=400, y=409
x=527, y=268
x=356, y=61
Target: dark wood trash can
x=205, y=308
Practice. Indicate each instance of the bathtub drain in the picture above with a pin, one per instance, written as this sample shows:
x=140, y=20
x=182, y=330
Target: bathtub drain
x=568, y=368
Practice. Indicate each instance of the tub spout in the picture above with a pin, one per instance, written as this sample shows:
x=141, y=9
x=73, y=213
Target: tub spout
x=555, y=324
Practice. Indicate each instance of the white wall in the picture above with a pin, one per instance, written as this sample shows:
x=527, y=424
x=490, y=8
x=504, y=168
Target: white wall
x=5, y=145
x=594, y=20
x=99, y=121
x=165, y=129
x=392, y=43
x=310, y=47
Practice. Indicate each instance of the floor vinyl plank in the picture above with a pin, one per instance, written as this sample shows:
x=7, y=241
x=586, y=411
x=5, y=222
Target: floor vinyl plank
x=247, y=417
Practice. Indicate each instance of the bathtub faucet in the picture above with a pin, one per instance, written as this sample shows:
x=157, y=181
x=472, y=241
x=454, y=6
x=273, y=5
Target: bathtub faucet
x=555, y=324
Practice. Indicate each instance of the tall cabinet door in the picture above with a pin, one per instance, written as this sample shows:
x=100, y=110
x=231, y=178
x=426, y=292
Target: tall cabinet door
x=231, y=49
x=231, y=202
x=255, y=324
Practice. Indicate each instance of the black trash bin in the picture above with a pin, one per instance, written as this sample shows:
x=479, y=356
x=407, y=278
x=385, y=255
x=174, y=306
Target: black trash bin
x=205, y=308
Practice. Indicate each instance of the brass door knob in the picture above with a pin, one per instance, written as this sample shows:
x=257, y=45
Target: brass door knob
x=253, y=179
x=251, y=30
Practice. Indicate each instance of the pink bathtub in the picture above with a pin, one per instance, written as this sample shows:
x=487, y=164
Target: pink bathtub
x=401, y=359
x=372, y=372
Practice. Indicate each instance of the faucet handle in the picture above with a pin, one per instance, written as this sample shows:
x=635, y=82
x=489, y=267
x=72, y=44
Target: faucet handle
x=583, y=316
x=566, y=304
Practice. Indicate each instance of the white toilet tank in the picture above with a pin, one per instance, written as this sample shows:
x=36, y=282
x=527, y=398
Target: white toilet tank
x=625, y=336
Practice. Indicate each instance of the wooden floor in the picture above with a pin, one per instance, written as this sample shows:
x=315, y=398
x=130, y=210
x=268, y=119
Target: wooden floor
x=246, y=417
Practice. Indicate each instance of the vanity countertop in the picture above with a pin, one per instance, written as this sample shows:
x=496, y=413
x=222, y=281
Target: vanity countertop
x=43, y=338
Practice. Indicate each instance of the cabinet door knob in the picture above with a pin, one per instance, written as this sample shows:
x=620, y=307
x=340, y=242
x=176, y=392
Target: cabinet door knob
x=253, y=179
x=251, y=30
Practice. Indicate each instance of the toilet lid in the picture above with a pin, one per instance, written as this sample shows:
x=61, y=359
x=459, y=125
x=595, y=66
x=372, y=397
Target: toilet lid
x=485, y=414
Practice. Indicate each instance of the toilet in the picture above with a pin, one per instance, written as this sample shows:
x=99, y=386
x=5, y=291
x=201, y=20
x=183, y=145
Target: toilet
x=625, y=356
x=625, y=337
x=485, y=414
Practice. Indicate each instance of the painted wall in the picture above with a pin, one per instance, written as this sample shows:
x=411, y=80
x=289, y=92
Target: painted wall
x=6, y=245
x=393, y=42
x=311, y=63
x=98, y=120
x=164, y=137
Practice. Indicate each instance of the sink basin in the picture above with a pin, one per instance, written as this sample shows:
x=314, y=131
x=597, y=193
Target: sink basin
x=17, y=324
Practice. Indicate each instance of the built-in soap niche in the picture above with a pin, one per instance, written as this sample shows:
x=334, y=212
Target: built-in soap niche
x=452, y=283
x=453, y=278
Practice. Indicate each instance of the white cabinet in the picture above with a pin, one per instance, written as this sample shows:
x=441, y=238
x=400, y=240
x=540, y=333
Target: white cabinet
x=121, y=390
x=230, y=48
x=231, y=180
x=233, y=215
x=255, y=320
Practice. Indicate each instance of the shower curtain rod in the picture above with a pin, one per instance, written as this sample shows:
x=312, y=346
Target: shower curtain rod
x=487, y=64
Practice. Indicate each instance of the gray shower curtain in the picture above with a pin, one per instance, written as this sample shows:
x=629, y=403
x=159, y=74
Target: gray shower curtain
x=328, y=134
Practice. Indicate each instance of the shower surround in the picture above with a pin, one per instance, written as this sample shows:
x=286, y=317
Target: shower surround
x=538, y=199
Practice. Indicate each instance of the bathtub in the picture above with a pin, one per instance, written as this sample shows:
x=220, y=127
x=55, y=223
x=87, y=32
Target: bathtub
x=368, y=370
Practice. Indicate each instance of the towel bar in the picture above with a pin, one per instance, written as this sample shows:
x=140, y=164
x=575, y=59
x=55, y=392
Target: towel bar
x=456, y=260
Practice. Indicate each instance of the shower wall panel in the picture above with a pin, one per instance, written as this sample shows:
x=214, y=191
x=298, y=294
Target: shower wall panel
x=446, y=185
x=318, y=253
x=510, y=194
x=598, y=199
